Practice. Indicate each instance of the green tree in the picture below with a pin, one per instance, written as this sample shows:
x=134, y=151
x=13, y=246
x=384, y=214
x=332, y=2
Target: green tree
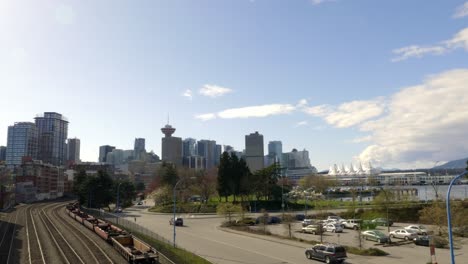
x=127, y=192
x=99, y=189
x=224, y=180
x=319, y=183
x=162, y=196
x=383, y=202
x=206, y=184
x=169, y=174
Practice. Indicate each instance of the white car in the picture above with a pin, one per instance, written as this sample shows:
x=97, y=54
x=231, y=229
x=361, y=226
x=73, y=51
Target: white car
x=352, y=223
x=312, y=229
x=334, y=228
x=419, y=229
x=336, y=218
x=405, y=234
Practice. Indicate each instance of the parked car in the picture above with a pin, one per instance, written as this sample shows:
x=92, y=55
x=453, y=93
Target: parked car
x=337, y=219
x=313, y=229
x=334, y=228
x=422, y=240
x=246, y=221
x=419, y=229
x=178, y=221
x=439, y=242
x=375, y=235
x=300, y=217
x=382, y=222
x=270, y=220
x=405, y=234
x=307, y=222
x=352, y=223
x=118, y=210
x=330, y=253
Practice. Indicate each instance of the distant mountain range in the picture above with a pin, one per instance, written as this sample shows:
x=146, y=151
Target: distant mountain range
x=454, y=164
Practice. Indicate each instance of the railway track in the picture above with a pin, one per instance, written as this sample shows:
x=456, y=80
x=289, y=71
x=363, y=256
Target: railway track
x=35, y=252
x=97, y=247
x=8, y=231
x=43, y=233
x=67, y=252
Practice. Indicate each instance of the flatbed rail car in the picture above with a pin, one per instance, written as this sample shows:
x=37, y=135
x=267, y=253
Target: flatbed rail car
x=130, y=247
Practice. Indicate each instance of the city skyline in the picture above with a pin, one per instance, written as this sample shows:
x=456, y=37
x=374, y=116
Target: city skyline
x=337, y=78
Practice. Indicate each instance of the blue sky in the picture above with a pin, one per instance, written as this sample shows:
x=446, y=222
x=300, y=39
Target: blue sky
x=348, y=80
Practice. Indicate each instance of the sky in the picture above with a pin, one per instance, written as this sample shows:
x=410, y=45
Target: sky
x=348, y=80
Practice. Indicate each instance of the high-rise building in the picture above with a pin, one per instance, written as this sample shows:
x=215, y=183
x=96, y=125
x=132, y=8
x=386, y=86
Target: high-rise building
x=139, y=148
x=297, y=159
x=171, y=146
x=189, y=147
x=52, y=131
x=2, y=153
x=254, y=151
x=22, y=141
x=275, y=152
x=73, y=152
x=218, y=152
x=103, y=150
x=207, y=149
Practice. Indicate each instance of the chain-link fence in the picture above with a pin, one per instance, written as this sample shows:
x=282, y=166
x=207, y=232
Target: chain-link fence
x=133, y=227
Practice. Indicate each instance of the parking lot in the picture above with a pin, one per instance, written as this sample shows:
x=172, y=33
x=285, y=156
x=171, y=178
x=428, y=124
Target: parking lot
x=405, y=251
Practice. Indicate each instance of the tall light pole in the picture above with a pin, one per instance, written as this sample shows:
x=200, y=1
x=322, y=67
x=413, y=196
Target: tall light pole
x=118, y=195
x=449, y=220
x=174, y=209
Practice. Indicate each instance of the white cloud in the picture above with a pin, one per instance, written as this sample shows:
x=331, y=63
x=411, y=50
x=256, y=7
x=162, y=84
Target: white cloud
x=417, y=52
x=257, y=111
x=318, y=2
x=461, y=11
x=301, y=123
x=249, y=112
x=206, y=117
x=214, y=90
x=348, y=114
x=460, y=40
x=188, y=93
x=424, y=123
x=302, y=103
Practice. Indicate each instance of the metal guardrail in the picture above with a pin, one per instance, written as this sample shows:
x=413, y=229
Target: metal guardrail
x=131, y=226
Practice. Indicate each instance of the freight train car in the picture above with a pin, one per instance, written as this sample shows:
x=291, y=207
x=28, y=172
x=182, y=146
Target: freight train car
x=130, y=247
x=134, y=250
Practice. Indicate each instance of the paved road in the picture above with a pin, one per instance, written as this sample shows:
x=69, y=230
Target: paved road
x=202, y=235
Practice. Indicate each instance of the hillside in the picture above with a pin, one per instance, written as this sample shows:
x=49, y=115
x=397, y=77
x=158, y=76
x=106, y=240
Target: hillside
x=454, y=164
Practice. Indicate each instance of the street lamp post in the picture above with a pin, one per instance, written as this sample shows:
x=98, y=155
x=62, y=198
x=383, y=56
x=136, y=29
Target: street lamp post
x=118, y=196
x=449, y=221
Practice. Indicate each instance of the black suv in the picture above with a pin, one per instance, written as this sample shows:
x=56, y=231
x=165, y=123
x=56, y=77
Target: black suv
x=178, y=221
x=330, y=253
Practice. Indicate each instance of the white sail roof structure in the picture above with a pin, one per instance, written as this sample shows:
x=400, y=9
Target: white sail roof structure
x=352, y=170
